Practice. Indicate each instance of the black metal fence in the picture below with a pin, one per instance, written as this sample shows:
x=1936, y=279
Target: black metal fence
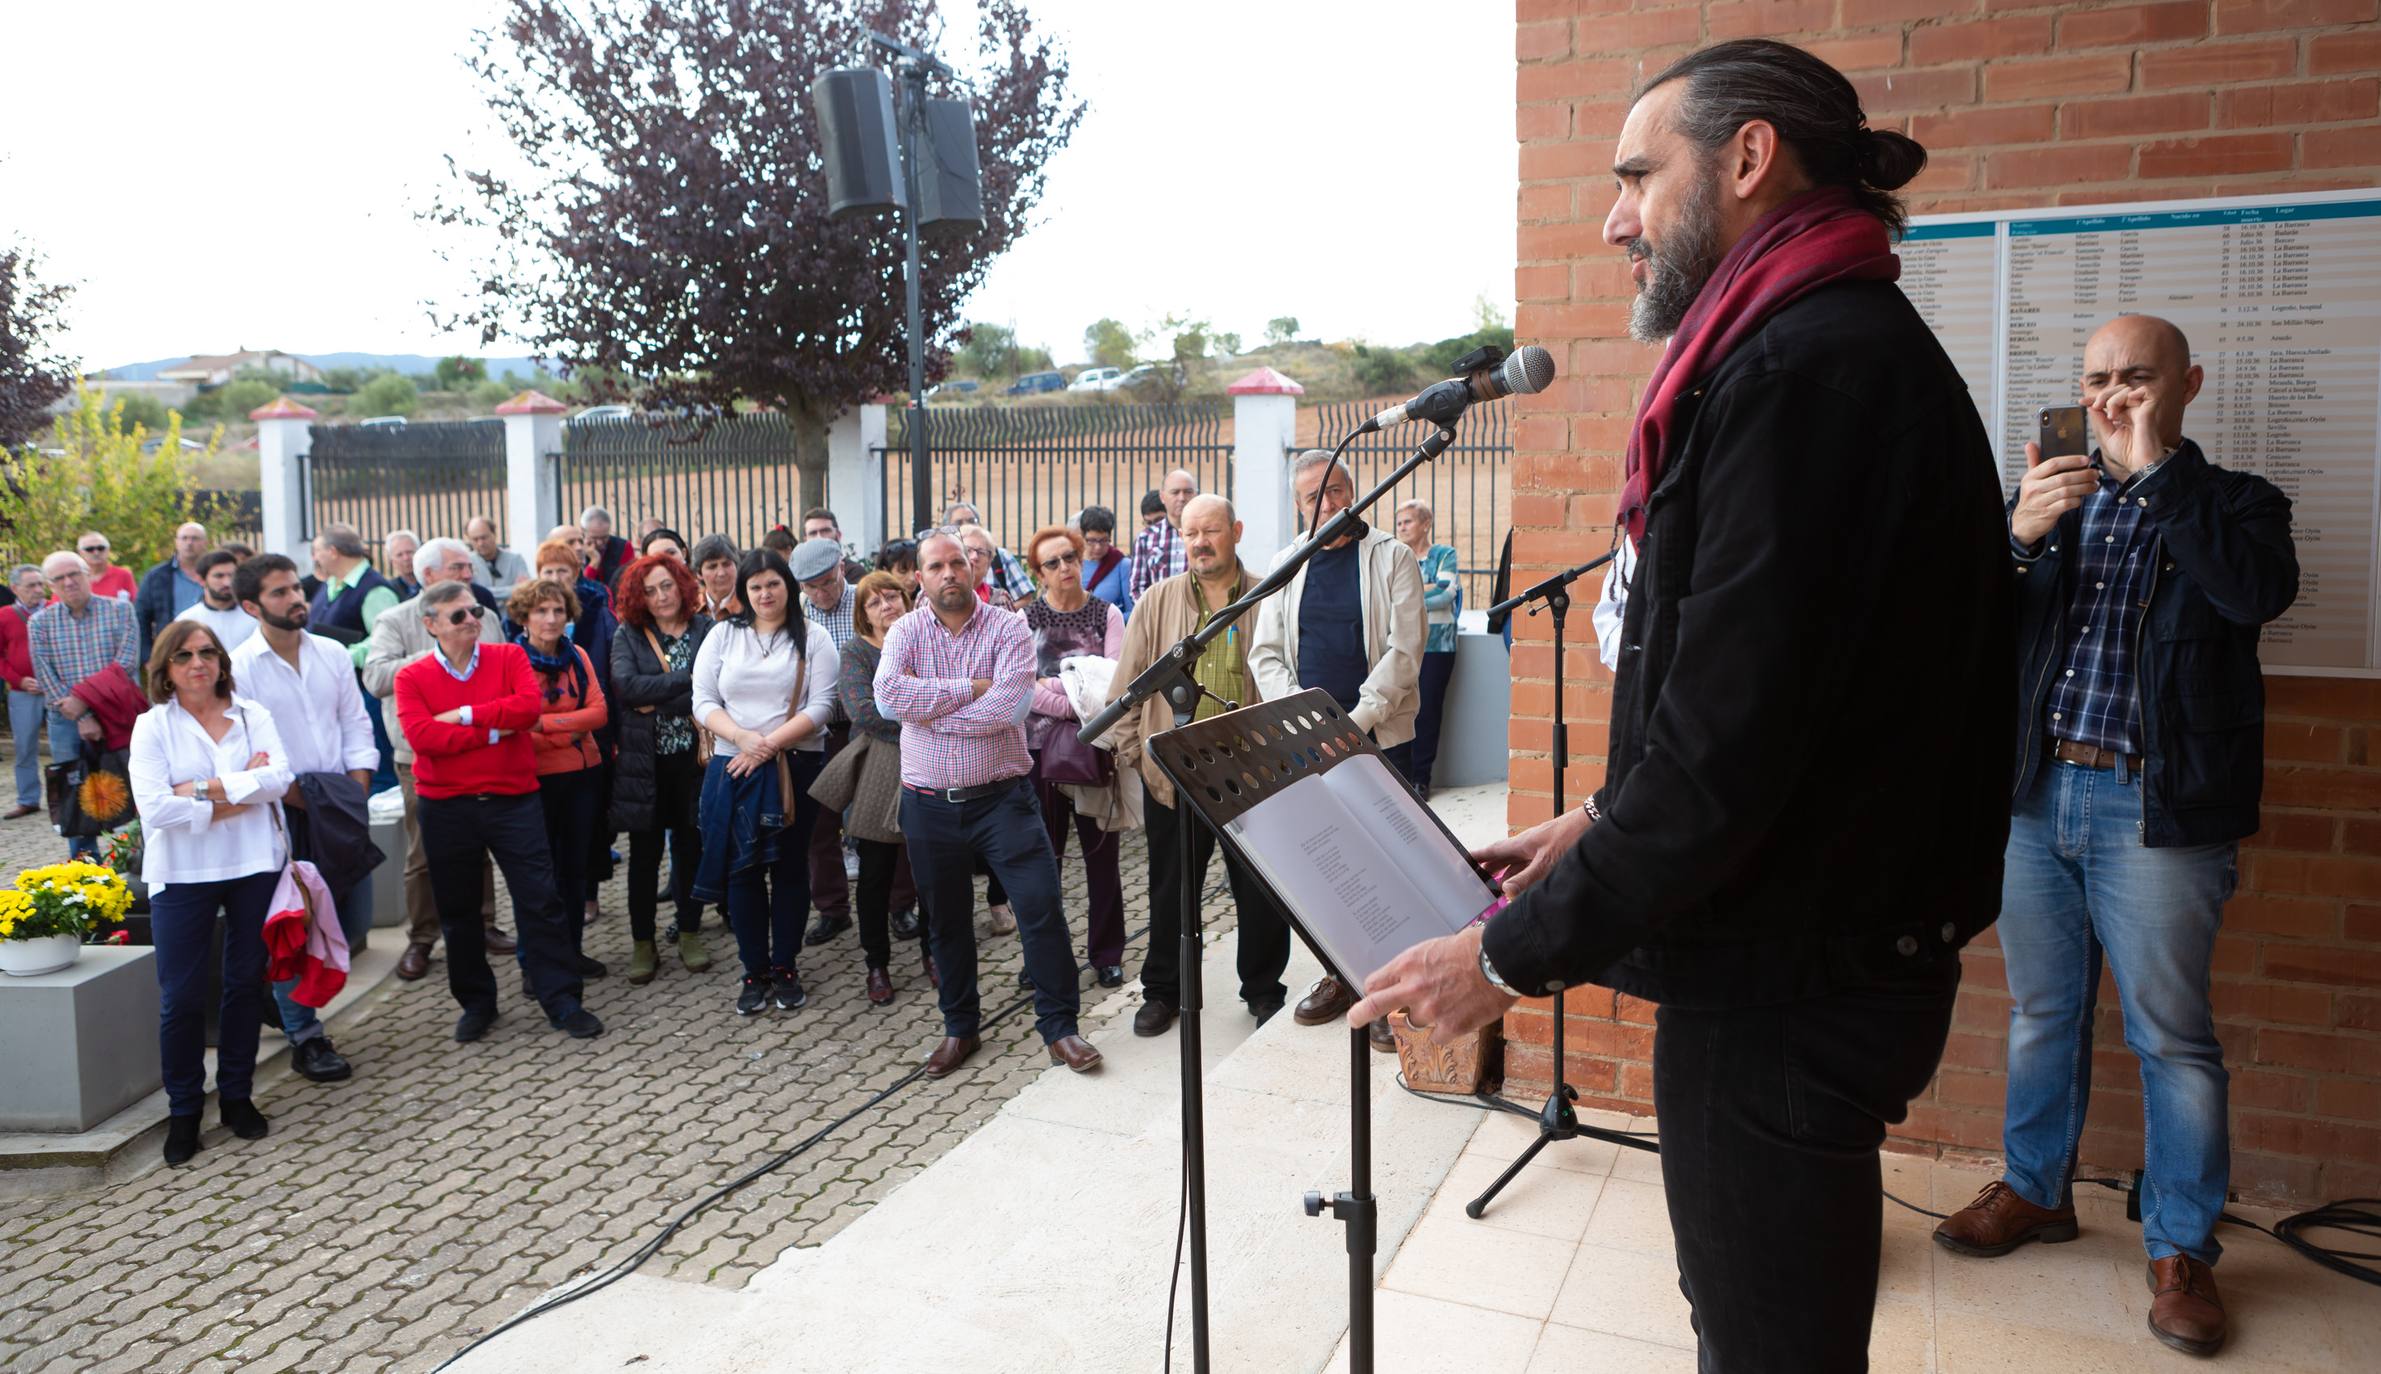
x=738, y=479
x=1469, y=487
x=1030, y=466
x=430, y=478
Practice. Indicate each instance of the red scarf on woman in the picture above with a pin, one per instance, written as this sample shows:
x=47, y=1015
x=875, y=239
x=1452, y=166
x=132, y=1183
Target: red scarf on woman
x=1816, y=238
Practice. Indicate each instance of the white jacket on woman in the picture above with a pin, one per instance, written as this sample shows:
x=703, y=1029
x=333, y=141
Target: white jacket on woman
x=181, y=841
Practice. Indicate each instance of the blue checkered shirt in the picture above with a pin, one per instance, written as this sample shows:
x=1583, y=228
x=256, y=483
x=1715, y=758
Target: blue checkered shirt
x=2092, y=700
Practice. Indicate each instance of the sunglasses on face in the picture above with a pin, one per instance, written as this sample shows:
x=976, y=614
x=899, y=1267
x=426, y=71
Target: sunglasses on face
x=472, y=612
x=1063, y=560
x=183, y=657
x=95, y=548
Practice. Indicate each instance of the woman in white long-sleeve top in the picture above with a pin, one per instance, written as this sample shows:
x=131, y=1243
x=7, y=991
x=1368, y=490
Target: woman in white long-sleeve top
x=764, y=686
x=208, y=771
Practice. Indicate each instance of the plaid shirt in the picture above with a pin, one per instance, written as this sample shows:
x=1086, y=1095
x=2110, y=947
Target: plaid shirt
x=950, y=737
x=68, y=648
x=1008, y=574
x=837, y=621
x=2092, y=700
x=1158, y=553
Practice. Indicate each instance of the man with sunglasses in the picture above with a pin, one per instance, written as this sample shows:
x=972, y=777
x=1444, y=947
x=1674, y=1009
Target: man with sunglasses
x=468, y=710
x=400, y=637
x=107, y=579
x=72, y=640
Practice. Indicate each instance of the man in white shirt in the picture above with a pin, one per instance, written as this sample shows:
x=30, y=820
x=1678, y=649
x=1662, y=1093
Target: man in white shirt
x=218, y=607
x=308, y=682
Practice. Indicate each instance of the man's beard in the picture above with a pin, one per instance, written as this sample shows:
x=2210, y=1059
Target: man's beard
x=295, y=620
x=1678, y=266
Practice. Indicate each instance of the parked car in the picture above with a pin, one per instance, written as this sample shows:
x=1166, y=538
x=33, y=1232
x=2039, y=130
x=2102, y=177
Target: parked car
x=611, y=412
x=1150, y=374
x=960, y=387
x=1033, y=382
x=1097, y=379
x=381, y=422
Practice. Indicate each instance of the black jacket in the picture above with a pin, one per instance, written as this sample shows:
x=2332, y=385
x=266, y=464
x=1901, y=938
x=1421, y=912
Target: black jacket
x=1810, y=733
x=153, y=604
x=641, y=679
x=2222, y=565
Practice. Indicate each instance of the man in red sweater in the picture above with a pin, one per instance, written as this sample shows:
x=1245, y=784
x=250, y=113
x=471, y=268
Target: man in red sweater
x=465, y=710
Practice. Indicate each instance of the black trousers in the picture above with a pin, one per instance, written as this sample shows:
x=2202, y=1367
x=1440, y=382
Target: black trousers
x=457, y=833
x=1005, y=831
x=1264, y=935
x=1771, y=1118
x=569, y=801
x=884, y=870
x=677, y=790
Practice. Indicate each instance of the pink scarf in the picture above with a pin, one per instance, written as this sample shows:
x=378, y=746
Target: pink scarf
x=1816, y=238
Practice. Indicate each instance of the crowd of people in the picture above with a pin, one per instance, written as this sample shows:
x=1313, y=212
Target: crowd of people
x=751, y=716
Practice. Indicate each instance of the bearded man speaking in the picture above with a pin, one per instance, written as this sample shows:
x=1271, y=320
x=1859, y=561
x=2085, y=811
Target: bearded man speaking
x=1807, y=782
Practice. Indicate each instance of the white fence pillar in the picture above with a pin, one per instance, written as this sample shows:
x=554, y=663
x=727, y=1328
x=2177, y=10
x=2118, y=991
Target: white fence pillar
x=1264, y=436
x=532, y=446
x=284, y=436
x=855, y=479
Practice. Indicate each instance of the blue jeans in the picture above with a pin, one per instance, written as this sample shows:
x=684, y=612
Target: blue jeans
x=1005, y=831
x=2080, y=886
x=181, y=928
x=66, y=745
x=26, y=711
x=303, y=1023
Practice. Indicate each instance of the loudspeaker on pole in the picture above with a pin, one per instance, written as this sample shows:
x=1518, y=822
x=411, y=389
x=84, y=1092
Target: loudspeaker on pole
x=950, y=189
x=857, y=141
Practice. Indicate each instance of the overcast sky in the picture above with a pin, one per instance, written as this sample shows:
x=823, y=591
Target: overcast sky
x=212, y=178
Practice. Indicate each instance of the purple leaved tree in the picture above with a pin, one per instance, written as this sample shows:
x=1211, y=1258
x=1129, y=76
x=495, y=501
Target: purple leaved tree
x=662, y=228
x=32, y=373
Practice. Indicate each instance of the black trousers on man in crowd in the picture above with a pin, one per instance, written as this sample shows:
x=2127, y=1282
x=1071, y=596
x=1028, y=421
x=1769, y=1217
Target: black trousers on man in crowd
x=1004, y=829
x=457, y=833
x=1264, y=935
x=1776, y=1112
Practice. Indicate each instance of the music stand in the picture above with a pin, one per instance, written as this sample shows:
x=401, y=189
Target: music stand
x=1221, y=767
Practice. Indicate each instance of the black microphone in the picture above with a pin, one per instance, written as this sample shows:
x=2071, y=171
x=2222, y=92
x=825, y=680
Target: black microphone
x=1527, y=372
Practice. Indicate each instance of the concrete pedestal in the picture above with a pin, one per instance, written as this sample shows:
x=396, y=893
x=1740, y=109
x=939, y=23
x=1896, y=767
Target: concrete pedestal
x=84, y=1041
x=1472, y=733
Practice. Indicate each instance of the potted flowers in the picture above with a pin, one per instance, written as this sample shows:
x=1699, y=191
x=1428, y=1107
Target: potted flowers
x=46, y=917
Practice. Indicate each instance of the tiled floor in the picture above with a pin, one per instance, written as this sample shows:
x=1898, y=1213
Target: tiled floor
x=1571, y=1270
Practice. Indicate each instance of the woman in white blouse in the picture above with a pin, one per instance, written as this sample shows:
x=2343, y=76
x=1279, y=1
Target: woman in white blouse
x=764, y=686
x=208, y=772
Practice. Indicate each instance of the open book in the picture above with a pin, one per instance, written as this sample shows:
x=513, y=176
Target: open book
x=1365, y=870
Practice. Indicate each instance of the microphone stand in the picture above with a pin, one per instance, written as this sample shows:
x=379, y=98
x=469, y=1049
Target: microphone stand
x=1557, y=1120
x=1171, y=677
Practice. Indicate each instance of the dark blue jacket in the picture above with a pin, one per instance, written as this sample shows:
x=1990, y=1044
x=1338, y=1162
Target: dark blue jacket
x=153, y=604
x=2222, y=565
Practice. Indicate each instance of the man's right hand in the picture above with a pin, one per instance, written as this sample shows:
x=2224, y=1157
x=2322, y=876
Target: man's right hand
x=1525, y=859
x=87, y=727
x=979, y=685
x=2050, y=488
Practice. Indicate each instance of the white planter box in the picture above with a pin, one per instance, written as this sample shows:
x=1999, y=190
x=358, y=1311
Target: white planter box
x=84, y=1041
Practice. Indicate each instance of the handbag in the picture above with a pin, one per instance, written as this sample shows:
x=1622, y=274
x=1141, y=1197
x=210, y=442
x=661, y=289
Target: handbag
x=702, y=737
x=91, y=794
x=1065, y=758
x=787, y=794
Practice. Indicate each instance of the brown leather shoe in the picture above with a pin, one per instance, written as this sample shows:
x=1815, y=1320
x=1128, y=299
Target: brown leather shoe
x=1383, y=1039
x=2184, y=1309
x=498, y=941
x=1328, y=1000
x=1999, y=1221
x=950, y=1054
x=19, y=811
x=414, y=962
x=1075, y=1052
x=880, y=987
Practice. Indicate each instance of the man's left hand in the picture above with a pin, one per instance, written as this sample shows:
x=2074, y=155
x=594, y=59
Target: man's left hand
x=1439, y=986
x=2128, y=429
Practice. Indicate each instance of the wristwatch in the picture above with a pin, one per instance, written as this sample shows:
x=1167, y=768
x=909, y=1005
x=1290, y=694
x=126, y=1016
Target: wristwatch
x=1495, y=979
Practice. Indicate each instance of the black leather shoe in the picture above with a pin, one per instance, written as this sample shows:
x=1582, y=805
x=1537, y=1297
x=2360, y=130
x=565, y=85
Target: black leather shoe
x=592, y=968
x=1154, y=1018
x=318, y=1062
x=826, y=928
x=242, y=1117
x=1111, y=975
x=473, y=1024
x=1265, y=1010
x=580, y=1024
x=906, y=924
x=181, y=1139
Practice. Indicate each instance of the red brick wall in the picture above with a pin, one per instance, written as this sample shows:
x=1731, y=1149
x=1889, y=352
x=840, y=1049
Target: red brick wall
x=2020, y=104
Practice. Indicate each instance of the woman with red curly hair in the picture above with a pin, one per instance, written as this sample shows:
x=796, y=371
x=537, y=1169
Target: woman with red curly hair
x=660, y=775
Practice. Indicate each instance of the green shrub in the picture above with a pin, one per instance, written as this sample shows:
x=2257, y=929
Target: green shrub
x=389, y=393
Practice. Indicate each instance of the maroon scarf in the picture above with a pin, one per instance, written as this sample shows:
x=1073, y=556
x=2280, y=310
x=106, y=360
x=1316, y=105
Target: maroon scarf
x=1816, y=238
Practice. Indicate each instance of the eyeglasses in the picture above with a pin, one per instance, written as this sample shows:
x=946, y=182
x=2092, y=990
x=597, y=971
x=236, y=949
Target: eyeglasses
x=94, y=548
x=471, y=612
x=1054, y=564
x=182, y=657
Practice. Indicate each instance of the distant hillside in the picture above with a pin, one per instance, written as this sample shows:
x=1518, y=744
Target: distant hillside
x=412, y=364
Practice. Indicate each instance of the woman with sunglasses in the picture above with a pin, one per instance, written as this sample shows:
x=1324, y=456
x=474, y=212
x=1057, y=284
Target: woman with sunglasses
x=764, y=686
x=207, y=771
x=1069, y=622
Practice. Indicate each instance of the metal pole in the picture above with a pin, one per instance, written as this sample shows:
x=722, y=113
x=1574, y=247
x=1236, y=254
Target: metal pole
x=1189, y=986
x=913, y=78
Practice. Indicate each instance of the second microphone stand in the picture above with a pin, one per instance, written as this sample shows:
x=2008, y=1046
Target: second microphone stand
x=1558, y=1119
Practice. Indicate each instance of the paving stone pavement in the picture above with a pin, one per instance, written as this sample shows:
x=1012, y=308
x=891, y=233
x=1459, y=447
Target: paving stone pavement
x=389, y=1219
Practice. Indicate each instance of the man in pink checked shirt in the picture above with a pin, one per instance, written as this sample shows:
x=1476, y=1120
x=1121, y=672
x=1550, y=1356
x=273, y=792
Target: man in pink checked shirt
x=959, y=674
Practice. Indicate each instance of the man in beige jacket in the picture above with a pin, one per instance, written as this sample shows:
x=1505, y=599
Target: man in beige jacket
x=1172, y=608
x=1351, y=623
x=399, y=636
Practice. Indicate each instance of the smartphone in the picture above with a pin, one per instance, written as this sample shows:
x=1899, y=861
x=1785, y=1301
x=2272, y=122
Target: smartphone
x=2064, y=432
